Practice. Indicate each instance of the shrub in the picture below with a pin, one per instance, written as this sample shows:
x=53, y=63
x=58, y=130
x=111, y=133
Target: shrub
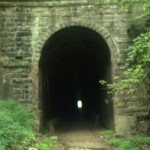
x=15, y=126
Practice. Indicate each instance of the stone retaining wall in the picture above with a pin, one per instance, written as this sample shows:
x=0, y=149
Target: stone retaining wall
x=26, y=25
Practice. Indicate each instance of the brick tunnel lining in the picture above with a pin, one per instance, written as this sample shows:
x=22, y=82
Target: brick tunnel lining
x=72, y=62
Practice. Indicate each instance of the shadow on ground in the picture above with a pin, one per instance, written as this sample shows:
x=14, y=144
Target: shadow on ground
x=80, y=135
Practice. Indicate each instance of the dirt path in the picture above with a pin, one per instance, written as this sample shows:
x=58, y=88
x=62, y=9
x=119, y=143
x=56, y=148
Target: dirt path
x=80, y=136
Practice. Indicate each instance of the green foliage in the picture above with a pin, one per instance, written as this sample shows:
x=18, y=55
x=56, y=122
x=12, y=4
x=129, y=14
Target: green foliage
x=139, y=53
x=140, y=20
x=137, y=64
x=141, y=140
x=45, y=144
x=110, y=87
x=121, y=144
x=106, y=132
x=134, y=143
x=15, y=126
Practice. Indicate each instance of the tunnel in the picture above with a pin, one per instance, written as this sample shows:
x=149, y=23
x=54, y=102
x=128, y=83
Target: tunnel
x=72, y=62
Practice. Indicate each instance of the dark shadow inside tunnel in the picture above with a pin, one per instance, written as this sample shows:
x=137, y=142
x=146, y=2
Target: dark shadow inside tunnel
x=72, y=62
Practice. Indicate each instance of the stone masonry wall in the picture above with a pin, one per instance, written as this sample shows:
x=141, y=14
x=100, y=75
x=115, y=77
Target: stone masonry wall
x=26, y=25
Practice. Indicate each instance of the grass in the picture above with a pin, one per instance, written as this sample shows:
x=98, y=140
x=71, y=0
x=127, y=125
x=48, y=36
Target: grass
x=121, y=144
x=46, y=143
x=134, y=143
x=141, y=139
x=106, y=132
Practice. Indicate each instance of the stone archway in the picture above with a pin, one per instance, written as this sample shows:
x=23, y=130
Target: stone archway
x=93, y=50
x=114, y=50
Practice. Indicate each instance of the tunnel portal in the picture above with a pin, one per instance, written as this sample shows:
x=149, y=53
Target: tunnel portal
x=72, y=62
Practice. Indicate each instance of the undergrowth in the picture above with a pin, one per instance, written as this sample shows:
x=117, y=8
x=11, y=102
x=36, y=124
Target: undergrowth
x=134, y=143
x=15, y=126
x=106, y=132
x=46, y=143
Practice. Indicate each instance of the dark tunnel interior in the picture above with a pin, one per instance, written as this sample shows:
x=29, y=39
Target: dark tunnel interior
x=72, y=62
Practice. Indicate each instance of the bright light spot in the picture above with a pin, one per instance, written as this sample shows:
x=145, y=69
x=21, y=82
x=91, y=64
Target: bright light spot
x=79, y=104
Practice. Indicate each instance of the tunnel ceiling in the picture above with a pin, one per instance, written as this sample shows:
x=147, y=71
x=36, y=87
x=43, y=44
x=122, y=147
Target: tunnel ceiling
x=79, y=46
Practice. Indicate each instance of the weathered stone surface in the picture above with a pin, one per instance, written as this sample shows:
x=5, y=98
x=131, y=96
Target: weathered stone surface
x=24, y=30
x=134, y=109
x=26, y=25
x=124, y=124
x=31, y=148
x=54, y=138
x=121, y=104
x=143, y=127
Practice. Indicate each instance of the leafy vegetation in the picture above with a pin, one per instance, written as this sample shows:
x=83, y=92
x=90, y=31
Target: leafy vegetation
x=138, y=54
x=15, y=126
x=136, y=67
x=106, y=132
x=46, y=143
x=138, y=58
x=121, y=144
x=141, y=140
x=137, y=63
x=140, y=21
x=134, y=143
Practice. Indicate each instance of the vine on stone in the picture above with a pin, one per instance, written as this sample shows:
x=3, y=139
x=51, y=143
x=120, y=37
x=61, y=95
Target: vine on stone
x=138, y=54
x=137, y=64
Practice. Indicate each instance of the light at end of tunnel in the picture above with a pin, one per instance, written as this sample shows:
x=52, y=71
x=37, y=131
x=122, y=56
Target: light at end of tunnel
x=79, y=104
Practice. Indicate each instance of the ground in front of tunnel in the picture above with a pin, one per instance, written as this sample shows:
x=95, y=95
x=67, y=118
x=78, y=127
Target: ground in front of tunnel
x=81, y=136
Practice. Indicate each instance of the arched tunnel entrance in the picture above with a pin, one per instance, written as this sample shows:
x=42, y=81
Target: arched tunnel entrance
x=72, y=62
